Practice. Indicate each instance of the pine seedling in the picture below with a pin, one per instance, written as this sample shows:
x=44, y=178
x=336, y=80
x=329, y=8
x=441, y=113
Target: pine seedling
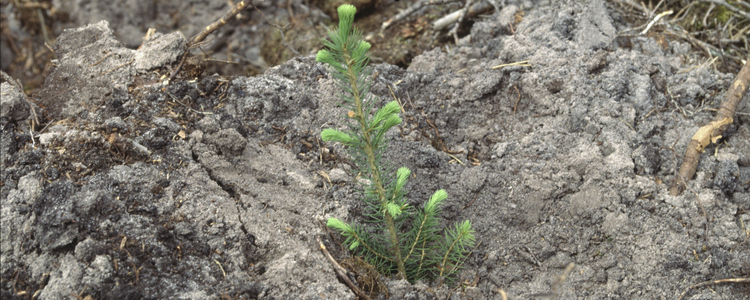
x=403, y=240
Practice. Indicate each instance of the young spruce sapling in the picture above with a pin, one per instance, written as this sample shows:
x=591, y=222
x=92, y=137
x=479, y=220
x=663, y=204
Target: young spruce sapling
x=403, y=240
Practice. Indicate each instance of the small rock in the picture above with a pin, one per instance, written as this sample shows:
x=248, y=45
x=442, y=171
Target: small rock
x=498, y=151
x=337, y=175
x=473, y=179
x=427, y=158
x=86, y=250
x=167, y=123
x=727, y=175
x=208, y=124
x=13, y=105
x=47, y=138
x=159, y=50
x=115, y=123
x=229, y=141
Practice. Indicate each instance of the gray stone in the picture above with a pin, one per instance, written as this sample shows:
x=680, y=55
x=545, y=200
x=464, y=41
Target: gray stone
x=13, y=104
x=159, y=50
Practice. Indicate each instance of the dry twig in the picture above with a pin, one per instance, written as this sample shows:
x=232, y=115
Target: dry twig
x=713, y=282
x=461, y=17
x=712, y=132
x=198, y=38
x=449, y=19
x=219, y=23
x=410, y=10
x=656, y=19
x=341, y=272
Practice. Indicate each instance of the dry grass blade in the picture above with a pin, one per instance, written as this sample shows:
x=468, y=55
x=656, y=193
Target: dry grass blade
x=738, y=11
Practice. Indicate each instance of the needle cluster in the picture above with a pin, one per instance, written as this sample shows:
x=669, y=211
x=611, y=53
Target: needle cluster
x=401, y=239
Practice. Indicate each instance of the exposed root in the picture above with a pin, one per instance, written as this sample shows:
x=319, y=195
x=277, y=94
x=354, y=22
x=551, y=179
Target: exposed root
x=712, y=132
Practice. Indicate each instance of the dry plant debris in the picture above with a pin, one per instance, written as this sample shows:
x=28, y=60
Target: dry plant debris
x=717, y=28
x=712, y=132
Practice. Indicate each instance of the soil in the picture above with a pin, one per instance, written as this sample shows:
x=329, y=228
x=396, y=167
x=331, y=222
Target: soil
x=119, y=184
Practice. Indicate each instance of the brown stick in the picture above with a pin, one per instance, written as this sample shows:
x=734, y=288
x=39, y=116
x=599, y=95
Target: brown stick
x=712, y=132
x=341, y=272
x=707, y=283
x=210, y=29
x=221, y=22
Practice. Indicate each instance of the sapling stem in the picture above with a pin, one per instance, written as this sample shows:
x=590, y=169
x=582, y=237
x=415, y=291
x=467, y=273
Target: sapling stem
x=424, y=252
x=374, y=170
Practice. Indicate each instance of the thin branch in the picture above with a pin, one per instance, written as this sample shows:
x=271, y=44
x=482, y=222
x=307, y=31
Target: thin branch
x=198, y=38
x=656, y=19
x=449, y=19
x=410, y=10
x=221, y=22
x=341, y=272
x=713, y=282
x=712, y=132
x=461, y=17
x=179, y=67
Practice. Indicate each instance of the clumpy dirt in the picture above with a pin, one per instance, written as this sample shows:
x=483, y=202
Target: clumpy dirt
x=259, y=37
x=119, y=185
